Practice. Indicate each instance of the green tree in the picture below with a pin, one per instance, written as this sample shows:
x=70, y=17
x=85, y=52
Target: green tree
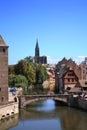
x=30, y=59
x=21, y=67
x=41, y=74
x=30, y=74
x=18, y=81
x=12, y=80
x=27, y=70
x=11, y=69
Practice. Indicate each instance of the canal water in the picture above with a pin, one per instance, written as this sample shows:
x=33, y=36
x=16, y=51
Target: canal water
x=46, y=116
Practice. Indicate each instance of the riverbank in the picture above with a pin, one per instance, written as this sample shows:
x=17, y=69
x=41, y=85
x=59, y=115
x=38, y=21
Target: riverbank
x=74, y=101
x=78, y=102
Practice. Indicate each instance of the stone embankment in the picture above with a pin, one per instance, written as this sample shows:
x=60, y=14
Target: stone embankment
x=79, y=102
x=9, y=110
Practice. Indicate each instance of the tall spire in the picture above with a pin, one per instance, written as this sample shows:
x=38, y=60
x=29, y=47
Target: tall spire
x=37, y=46
x=37, y=49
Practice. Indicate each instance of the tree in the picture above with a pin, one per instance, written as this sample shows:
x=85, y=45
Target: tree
x=21, y=67
x=27, y=70
x=11, y=69
x=41, y=74
x=12, y=80
x=30, y=59
x=18, y=81
x=30, y=75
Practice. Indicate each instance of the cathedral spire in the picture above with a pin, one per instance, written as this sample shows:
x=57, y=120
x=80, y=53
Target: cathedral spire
x=37, y=49
x=37, y=46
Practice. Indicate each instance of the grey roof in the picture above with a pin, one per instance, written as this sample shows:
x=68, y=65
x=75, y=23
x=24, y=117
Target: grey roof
x=2, y=43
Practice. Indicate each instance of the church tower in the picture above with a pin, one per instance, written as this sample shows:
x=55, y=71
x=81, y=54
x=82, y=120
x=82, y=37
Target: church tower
x=37, y=50
x=3, y=72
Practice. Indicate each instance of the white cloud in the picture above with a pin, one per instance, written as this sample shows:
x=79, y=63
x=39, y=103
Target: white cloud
x=82, y=57
x=52, y=60
x=79, y=59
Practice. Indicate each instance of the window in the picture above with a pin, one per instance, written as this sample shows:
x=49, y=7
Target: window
x=4, y=50
x=2, y=99
x=70, y=74
x=83, y=71
x=85, y=83
x=77, y=80
x=68, y=80
x=72, y=80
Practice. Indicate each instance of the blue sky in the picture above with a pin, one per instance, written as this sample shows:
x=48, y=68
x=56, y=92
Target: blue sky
x=59, y=25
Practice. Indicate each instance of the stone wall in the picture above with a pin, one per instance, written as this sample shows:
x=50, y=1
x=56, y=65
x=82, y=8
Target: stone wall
x=9, y=110
x=82, y=103
x=9, y=123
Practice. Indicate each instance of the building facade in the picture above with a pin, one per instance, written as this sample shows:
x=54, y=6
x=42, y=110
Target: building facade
x=83, y=80
x=84, y=69
x=51, y=76
x=39, y=59
x=70, y=79
x=3, y=72
x=67, y=74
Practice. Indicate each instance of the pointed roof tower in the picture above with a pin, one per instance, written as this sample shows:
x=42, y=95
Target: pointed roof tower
x=3, y=72
x=37, y=46
x=37, y=49
x=2, y=42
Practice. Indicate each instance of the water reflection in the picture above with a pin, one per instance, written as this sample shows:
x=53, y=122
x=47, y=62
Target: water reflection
x=8, y=122
x=48, y=105
x=54, y=118
x=62, y=118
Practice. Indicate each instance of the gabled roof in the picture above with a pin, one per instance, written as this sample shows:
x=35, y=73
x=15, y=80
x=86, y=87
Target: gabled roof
x=2, y=43
x=67, y=70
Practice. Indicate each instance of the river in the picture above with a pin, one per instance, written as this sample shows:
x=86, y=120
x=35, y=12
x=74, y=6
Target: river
x=46, y=116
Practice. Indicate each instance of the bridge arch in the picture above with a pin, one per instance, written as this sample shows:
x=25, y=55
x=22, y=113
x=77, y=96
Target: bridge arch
x=27, y=99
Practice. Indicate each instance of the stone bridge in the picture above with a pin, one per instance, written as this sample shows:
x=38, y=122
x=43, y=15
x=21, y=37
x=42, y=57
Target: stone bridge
x=27, y=99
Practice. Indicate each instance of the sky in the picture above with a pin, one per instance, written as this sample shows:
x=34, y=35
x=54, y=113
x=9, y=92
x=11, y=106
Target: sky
x=59, y=25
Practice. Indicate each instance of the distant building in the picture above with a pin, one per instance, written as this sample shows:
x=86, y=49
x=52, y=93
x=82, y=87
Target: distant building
x=70, y=63
x=3, y=72
x=39, y=59
x=83, y=80
x=51, y=76
x=84, y=69
x=67, y=75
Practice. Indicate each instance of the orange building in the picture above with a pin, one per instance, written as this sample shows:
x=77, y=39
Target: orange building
x=51, y=76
